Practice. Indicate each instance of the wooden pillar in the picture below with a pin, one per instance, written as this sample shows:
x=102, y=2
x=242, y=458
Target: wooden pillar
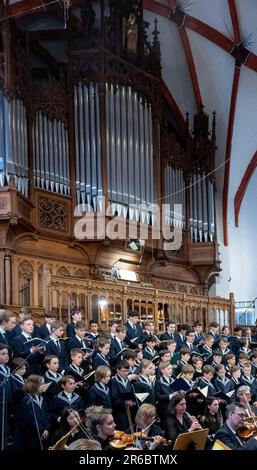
x=2, y=280
x=46, y=281
x=35, y=287
x=124, y=308
x=184, y=307
x=232, y=312
x=8, y=279
x=15, y=277
x=89, y=307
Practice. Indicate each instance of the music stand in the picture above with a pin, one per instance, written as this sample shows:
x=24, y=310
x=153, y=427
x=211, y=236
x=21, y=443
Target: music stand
x=194, y=440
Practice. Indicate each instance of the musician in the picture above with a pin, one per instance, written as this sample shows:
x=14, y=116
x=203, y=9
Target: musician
x=234, y=342
x=69, y=423
x=145, y=423
x=23, y=347
x=92, y=333
x=118, y=344
x=221, y=382
x=84, y=444
x=189, y=341
x=244, y=396
x=79, y=341
x=45, y=331
x=216, y=359
x=52, y=376
x=178, y=420
x=130, y=355
x=198, y=363
x=254, y=363
x=223, y=346
x=170, y=332
x=227, y=434
x=184, y=359
x=76, y=316
x=99, y=393
x=101, y=425
x=214, y=328
x=205, y=380
x=134, y=330
x=57, y=345
x=235, y=373
x=66, y=398
x=149, y=352
x=34, y=417
x=122, y=395
x=5, y=393
x=101, y=354
x=199, y=336
x=185, y=381
x=145, y=384
x=7, y=324
x=163, y=390
x=248, y=379
x=230, y=361
x=211, y=419
x=19, y=368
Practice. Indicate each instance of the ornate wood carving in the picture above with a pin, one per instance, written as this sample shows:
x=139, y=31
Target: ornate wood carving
x=25, y=270
x=172, y=151
x=202, y=155
x=63, y=271
x=51, y=98
x=102, y=55
x=53, y=214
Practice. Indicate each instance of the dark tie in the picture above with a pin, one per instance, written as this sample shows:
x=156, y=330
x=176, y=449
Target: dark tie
x=58, y=344
x=5, y=339
x=29, y=338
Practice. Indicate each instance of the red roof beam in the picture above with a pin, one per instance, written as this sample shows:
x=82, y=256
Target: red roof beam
x=191, y=65
x=235, y=22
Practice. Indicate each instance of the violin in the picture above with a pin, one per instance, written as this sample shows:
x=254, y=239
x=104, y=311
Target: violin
x=121, y=440
x=249, y=428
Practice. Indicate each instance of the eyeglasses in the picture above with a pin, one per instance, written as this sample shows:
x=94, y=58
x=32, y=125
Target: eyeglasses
x=239, y=414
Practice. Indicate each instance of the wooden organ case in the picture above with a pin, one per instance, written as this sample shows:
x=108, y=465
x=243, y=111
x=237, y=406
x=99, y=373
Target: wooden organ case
x=95, y=133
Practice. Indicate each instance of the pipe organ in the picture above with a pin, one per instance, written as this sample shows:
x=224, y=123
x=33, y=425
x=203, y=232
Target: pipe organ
x=99, y=125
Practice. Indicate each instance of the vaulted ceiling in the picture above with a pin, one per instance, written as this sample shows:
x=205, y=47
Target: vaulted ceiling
x=209, y=57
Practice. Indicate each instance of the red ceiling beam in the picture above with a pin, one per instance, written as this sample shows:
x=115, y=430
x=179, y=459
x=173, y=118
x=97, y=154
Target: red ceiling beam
x=157, y=7
x=231, y=120
x=234, y=19
x=251, y=62
x=243, y=186
x=174, y=107
x=209, y=33
x=191, y=65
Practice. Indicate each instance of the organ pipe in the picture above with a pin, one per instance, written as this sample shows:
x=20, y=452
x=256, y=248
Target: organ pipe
x=13, y=143
x=174, y=195
x=201, y=199
x=88, y=144
x=130, y=173
x=50, y=154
